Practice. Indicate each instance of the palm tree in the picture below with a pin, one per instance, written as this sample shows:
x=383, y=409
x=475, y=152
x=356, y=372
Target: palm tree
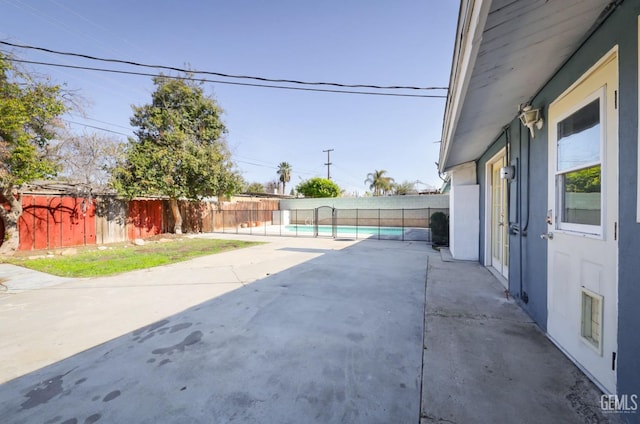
x=284, y=171
x=378, y=182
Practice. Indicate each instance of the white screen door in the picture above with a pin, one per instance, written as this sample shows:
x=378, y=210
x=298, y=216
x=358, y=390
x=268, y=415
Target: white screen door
x=583, y=212
x=499, y=224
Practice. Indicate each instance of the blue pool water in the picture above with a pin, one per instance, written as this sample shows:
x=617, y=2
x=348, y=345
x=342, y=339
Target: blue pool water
x=347, y=229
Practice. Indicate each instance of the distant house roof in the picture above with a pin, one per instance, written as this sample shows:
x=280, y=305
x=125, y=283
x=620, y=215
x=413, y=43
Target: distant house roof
x=63, y=188
x=265, y=195
x=505, y=52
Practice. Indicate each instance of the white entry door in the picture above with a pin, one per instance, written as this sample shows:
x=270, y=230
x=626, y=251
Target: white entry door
x=582, y=222
x=499, y=224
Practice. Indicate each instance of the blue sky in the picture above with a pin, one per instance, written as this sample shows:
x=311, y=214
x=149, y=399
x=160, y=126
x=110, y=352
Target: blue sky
x=399, y=42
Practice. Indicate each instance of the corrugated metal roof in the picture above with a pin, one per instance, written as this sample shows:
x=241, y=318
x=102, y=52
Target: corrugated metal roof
x=520, y=46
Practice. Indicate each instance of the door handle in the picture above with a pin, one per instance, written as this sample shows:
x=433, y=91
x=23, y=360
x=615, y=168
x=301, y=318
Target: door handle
x=547, y=236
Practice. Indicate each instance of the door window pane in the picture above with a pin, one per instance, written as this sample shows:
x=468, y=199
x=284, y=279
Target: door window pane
x=591, y=329
x=581, y=196
x=496, y=212
x=579, y=137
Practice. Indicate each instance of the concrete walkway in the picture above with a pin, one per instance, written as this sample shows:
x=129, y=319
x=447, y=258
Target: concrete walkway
x=293, y=331
x=485, y=361
x=15, y=279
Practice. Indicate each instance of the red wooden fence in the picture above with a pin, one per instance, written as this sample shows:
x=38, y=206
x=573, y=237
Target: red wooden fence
x=50, y=221
x=145, y=218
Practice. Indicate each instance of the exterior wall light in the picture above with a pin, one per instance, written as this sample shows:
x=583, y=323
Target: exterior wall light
x=531, y=117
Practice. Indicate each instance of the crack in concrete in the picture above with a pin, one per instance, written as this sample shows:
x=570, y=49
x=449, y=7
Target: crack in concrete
x=476, y=317
x=424, y=338
x=233, y=271
x=436, y=420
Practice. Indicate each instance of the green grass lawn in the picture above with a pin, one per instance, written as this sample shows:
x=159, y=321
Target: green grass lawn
x=91, y=262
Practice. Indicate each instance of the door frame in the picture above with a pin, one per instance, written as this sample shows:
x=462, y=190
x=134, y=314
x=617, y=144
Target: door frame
x=606, y=232
x=488, y=215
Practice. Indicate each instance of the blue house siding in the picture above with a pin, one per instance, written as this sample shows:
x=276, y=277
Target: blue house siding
x=528, y=276
x=624, y=26
x=528, y=253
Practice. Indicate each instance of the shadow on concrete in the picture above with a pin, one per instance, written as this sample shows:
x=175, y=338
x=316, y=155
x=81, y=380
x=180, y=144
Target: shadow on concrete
x=335, y=339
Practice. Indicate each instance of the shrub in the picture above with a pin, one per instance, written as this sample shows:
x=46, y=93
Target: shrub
x=318, y=187
x=440, y=228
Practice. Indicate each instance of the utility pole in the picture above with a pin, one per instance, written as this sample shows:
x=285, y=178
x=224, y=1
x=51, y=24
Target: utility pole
x=328, y=163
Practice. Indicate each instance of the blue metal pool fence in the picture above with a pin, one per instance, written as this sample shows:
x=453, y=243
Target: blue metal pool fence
x=326, y=221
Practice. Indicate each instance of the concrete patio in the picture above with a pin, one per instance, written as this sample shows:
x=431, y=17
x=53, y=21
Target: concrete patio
x=295, y=330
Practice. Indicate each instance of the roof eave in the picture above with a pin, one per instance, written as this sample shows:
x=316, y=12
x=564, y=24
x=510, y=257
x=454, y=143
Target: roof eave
x=471, y=22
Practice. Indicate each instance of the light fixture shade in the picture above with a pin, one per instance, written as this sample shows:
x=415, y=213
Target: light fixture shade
x=530, y=117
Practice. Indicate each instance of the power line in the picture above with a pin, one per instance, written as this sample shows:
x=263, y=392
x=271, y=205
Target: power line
x=255, y=164
x=105, y=122
x=219, y=74
x=146, y=74
x=347, y=173
x=97, y=128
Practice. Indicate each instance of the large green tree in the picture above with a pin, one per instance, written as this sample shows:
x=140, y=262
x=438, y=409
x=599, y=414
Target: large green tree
x=29, y=115
x=379, y=182
x=284, y=174
x=318, y=187
x=179, y=150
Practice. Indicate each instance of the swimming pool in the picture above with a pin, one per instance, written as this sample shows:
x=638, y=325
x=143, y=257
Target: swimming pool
x=342, y=231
